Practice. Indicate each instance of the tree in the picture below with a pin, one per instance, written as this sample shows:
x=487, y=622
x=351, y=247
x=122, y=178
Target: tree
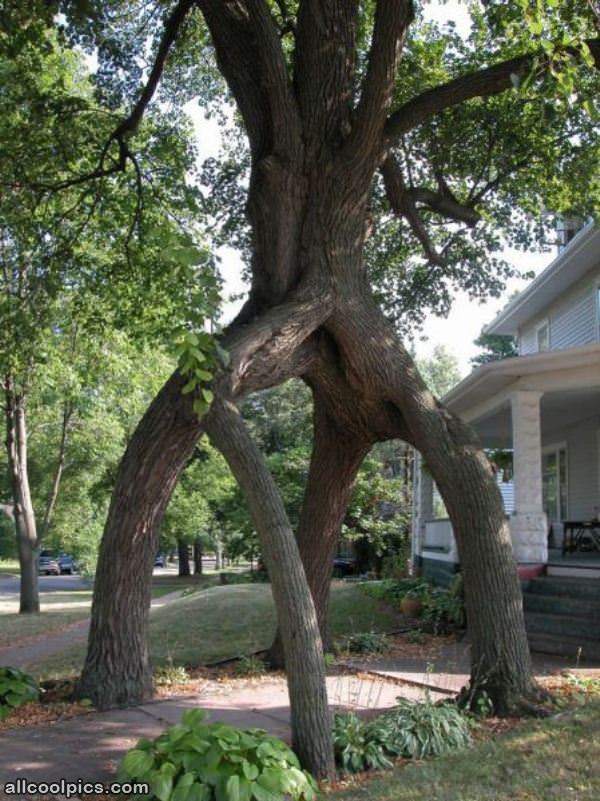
x=440, y=371
x=65, y=255
x=493, y=347
x=384, y=154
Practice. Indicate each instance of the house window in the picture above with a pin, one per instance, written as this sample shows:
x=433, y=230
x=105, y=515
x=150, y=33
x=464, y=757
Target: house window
x=554, y=482
x=543, y=337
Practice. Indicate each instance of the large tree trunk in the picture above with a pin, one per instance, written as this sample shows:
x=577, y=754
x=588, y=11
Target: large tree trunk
x=501, y=664
x=310, y=719
x=336, y=457
x=23, y=512
x=117, y=667
x=183, y=550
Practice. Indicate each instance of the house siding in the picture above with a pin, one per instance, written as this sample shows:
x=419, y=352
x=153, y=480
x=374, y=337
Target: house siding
x=573, y=319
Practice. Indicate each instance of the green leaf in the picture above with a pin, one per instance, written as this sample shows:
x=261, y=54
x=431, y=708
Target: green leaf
x=192, y=717
x=137, y=763
x=208, y=396
x=162, y=786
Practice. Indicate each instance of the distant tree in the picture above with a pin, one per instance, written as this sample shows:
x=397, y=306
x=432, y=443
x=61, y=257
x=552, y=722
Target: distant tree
x=440, y=371
x=494, y=347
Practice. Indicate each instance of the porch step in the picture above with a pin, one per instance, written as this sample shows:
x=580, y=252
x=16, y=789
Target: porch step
x=573, y=571
x=562, y=615
x=572, y=647
x=562, y=625
x=562, y=605
x=564, y=587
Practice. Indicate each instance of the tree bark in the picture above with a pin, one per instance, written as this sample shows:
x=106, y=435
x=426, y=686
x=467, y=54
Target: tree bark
x=501, y=664
x=336, y=458
x=117, y=668
x=264, y=352
x=310, y=718
x=198, y=557
x=23, y=512
x=183, y=550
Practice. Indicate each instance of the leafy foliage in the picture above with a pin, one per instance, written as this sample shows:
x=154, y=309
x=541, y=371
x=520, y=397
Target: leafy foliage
x=368, y=642
x=16, y=688
x=422, y=729
x=250, y=666
x=358, y=746
x=196, y=761
x=413, y=729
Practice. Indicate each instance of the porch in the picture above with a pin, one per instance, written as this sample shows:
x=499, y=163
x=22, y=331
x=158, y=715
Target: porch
x=543, y=413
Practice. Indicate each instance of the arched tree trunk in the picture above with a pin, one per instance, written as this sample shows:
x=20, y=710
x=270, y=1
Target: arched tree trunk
x=183, y=550
x=310, y=720
x=336, y=457
x=117, y=669
x=501, y=664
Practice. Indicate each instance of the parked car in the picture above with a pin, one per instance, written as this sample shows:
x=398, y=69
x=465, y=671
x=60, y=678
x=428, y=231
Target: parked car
x=160, y=560
x=344, y=566
x=66, y=563
x=48, y=565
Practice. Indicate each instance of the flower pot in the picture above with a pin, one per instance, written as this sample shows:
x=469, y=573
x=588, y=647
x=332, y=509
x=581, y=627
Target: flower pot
x=411, y=607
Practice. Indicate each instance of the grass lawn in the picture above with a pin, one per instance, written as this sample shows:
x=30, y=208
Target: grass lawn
x=228, y=621
x=59, y=609
x=553, y=760
x=9, y=567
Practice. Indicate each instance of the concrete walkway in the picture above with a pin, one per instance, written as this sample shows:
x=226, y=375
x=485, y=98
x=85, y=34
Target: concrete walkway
x=90, y=747
x=35, y=650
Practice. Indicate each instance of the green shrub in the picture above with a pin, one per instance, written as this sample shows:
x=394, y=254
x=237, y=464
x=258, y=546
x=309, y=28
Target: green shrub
x=422, y=729
x=196, y=761
x=16, y=688
x=412, y=729
x=250, y=666
x=357, y=746
x=445, y=607
x=368, y=642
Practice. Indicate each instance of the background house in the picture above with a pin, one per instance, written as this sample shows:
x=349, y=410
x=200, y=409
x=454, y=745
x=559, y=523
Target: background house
x=543, y=406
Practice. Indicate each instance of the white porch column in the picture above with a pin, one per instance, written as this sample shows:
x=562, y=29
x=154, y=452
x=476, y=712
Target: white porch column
x=422, y=506
x=528, y=525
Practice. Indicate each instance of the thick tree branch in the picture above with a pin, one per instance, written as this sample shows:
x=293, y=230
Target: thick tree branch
x=404, y=205
x=311, y=734
x=392, y=19
x=324, y=68
x=482, y=83
x=444, y=203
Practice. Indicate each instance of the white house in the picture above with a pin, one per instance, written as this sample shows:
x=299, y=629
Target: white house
x=544, y=407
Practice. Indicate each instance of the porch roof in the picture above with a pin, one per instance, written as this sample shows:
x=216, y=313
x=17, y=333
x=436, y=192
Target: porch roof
x=569, y=380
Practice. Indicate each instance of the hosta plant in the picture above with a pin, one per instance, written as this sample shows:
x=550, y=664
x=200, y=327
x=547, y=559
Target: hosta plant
x=422, y=729
x=357, y=745
x=199, y=761
x=16, y=688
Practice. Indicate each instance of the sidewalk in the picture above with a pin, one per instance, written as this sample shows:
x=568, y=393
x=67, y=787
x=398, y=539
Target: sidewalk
x=90, y=747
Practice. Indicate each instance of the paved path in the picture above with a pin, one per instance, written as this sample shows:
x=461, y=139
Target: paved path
x=32, y=651
x=89, y=747
x=449, y=671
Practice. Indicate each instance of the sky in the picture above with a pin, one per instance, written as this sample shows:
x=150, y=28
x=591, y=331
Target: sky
x=467, y=317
